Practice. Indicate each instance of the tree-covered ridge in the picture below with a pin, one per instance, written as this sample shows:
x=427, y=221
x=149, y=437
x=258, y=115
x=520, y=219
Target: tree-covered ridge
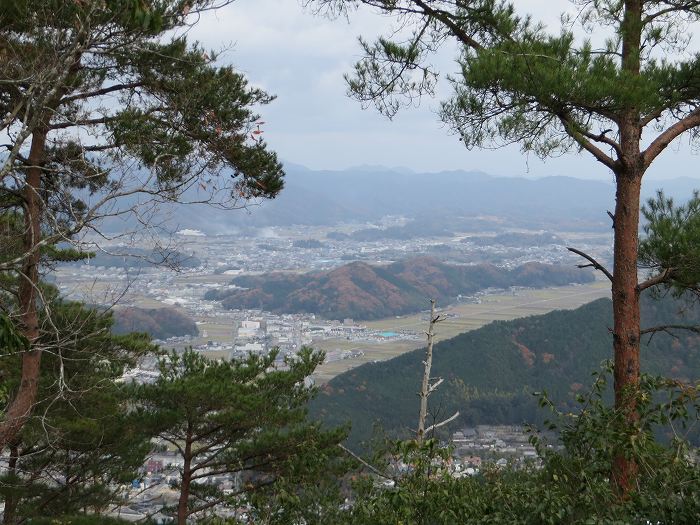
x=362, y=291
x=491, y=373
x=159, y=323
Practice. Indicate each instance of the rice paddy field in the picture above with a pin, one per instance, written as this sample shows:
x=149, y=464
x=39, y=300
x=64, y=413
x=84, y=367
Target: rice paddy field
x=216, y=326
x=461, y=318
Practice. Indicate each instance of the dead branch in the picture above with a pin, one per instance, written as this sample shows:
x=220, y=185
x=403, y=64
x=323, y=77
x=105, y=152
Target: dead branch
x=434, y=386
x=669, y=327
x=442, y=423
x=612, y=218
x=595, y=264
x=369, y=466
x=426, y=387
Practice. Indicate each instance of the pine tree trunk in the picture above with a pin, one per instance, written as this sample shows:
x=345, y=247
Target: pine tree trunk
x=625, y=294
x=185, y=484
x=11, y=501
x=626, y=327
x=23, y=402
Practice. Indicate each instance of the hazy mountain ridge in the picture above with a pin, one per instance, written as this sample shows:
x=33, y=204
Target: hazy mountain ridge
x=133, y=257
x=367, y=193
x=491, y=373
x=362, y=291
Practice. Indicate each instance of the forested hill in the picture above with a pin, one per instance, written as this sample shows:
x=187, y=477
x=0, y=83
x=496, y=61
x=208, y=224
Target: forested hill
x=362, y=291
x=159, y=323
x=491, y=373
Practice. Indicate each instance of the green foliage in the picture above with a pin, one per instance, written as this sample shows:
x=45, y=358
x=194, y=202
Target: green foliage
x=108, y=109
x=162, y=116
x=671, y=245
x=666, y=407
x=312, y=493
x=145, y=15
x=544, y=83
x=83, y=433
x=571, y=486
x=491, y=373
x=10, y=230
x=521, y=82
x=243, y=416
x=78, y=519
x=10, y=339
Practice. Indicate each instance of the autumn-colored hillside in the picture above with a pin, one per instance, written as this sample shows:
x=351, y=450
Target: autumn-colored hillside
x=362, y=291
x=159, y=323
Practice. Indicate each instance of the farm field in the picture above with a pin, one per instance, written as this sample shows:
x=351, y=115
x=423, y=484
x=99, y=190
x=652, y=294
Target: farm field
x=216, y=325
x=461, y=318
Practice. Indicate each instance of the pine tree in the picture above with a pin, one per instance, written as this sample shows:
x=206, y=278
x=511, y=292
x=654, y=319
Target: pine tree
x=670, y=247
x=551, y=92
x=106, y=107
x=83, y=442
x=243, y=418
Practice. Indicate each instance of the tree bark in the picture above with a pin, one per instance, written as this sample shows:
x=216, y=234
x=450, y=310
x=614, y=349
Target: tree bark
x=625, y=292
x=186, y=480
x=626, y=319
x=23, y=402
x=11, y=501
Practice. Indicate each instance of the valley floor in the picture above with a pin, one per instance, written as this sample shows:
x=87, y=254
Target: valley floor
x=462, y=317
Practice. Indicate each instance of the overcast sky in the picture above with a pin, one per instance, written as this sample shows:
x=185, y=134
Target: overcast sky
x=301, y=59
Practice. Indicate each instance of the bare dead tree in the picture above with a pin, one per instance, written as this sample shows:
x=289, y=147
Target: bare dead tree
x=427, y=387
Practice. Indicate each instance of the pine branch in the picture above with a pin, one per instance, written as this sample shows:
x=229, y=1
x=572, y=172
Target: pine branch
x=601, y=137
x=100, y=92
x=664, y=139
x=447, y=19
x=661, y=278
x=580, y=136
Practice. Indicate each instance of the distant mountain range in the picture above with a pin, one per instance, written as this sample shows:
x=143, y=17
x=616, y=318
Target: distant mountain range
x=362, y=291
x=368, y=193
x=491, y=373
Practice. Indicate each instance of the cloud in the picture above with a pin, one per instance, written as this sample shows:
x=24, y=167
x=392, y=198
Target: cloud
x=272, y=28
x=301, y=58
